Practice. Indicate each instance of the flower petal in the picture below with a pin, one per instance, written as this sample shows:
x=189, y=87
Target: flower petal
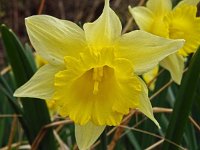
x=159, y=7
x=145, y=105
x=40, y=85
x=127, y=94
x=104, y=30
x=152, y=17
x=148, y=21
x=188, y=2
x=145, y=50
x=53, y=38
x=87, y=134
x=174, y=63
x=143, y=17
x=183, y=24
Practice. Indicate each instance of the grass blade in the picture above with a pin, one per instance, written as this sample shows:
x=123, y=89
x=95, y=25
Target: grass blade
x=183, y=103
x=35, y=110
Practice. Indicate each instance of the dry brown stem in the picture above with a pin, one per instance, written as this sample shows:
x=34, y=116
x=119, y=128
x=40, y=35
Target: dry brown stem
x=12, y=132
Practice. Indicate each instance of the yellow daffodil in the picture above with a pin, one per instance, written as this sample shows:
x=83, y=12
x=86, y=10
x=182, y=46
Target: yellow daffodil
x=91, y=73
x=181, y=22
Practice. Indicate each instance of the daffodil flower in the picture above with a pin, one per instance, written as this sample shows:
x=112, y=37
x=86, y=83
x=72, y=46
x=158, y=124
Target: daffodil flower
x=181, y=22
x=91, y=73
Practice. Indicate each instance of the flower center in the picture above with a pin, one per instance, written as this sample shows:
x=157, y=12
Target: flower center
x=97, y=77
x=102, y=90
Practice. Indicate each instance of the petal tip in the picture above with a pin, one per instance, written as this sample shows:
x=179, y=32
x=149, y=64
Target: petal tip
x=177, y=78
x=17, y=93
x=27, y=20
x=180, y=42
x=86, y=135
x=129, y=7
x=157, y=124
x=107, y=3
x=178, y=81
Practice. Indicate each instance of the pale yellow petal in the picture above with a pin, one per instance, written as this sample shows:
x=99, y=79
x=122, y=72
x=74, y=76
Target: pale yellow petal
x=143, y=17
x=152, y=17
x=104, y=30
x=148, y=21
x=53, y=38
x=159, y=7
x=87, y=134
x=174, y=63
x=188, y=2
x=145, y=50
x=40, y=85
x=145, y=105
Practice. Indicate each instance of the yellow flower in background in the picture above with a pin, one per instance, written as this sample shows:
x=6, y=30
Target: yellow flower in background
x=51, y=104
x=149, y=76
x=92, y=73
x=181, y=22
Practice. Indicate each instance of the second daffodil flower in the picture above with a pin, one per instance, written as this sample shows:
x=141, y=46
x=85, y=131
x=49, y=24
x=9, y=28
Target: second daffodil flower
x=181, y=22
x=91, y=73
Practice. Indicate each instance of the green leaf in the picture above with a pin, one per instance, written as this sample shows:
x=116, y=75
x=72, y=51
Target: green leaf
x=133, y=140
x=13, y=103
x=189, y=137
x=4, y=121
x=183, y=103
x=4, y=87
x=35, y=111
